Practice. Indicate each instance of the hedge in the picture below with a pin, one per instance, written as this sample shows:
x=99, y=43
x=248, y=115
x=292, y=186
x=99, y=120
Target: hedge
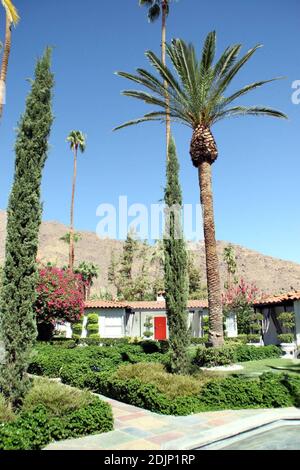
x=267, y=391
x=34, y=430
x=52, y=362
x=233, y=353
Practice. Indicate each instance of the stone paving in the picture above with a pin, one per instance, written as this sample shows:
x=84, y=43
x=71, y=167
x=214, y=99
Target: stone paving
x=138, y=429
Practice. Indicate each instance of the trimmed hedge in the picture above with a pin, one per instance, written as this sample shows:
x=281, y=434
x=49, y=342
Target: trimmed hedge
x=268, y=391
x=54, y=361
x=34, y=430
x=233, y=353
x=92, y=319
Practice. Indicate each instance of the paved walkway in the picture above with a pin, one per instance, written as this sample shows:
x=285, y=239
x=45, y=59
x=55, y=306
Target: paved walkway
x=137, y=429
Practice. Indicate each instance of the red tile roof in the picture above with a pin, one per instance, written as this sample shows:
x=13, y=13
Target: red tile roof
x=277, y=299
x=140, y=305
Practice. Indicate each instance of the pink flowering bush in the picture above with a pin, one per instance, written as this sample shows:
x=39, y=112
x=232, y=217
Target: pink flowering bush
x=60, y=296
x=239, y=299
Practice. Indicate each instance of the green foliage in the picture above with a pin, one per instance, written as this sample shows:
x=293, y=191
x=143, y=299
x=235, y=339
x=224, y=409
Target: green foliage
x=242, y=339
x=175, y=267
x=211, y=357
x=23, y=221
x=231, y=265
x=66, y=238
x=198, y=90
x=287, y=319
x=93, y=319
x=233, y=353
x=202, y=340
x=172, y=386
x=94, y=337
x=196, y=289
x=34, y=429
x=253, y=338
x=286, y=338
x=148, y=333
x=268, y=391
x=92, y=328
x=77, y=329
x=56, y=399
x=6, y=412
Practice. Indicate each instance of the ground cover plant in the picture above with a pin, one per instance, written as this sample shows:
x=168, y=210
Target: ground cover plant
x=52, y=411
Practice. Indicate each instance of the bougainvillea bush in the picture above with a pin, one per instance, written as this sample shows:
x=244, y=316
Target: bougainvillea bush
x=239, y=299
x=60, y=296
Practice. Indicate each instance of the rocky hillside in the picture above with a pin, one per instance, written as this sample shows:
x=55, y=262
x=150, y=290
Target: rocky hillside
x=271, y=275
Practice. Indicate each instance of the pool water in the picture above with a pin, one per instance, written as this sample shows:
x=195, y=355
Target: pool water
x=281, y=438
x=282, y=435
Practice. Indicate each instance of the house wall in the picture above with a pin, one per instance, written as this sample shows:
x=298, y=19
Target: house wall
x=297, y=321
x=112, y=322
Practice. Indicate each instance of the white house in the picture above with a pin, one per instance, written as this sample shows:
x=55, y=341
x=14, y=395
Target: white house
x=119, y=319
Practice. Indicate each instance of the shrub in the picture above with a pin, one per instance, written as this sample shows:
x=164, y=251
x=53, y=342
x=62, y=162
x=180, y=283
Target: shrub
x=253, y=338
x=232, y=353
x=150, y=347
x=6, y=412
x=77, y=329
x=241, y=339
x=95, y=338
x=37, y=425
x=286, y=338
x=246, y=353
x=268, y=391
x=92, y=328
x=59, y=295
x=56, y=399
x=92, y=319
x=94, y=418
x=170, y=385
x=210, y=357
x=202, y=340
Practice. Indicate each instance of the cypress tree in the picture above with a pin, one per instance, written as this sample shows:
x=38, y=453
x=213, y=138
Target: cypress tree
x=18, y=326
x=175, y=267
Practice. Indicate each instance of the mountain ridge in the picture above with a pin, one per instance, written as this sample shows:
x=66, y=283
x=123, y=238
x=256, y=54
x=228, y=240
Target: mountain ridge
x=271, y=275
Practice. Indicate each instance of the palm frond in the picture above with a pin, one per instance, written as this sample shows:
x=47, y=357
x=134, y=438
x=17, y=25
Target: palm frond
x=209, y=50
x=249, y=111
x=247, y=89
x=11, y=11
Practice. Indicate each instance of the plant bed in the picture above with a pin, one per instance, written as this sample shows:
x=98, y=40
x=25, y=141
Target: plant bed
x=52, y=412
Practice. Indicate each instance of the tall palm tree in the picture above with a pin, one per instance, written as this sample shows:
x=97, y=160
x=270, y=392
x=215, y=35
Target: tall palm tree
x=77, y=142
x=197, y=100
x=12, y=17
x=155, y=9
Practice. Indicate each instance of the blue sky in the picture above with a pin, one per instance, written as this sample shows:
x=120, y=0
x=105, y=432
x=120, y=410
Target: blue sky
x=256, y=178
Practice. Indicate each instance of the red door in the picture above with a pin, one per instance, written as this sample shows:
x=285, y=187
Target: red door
x=160, y=328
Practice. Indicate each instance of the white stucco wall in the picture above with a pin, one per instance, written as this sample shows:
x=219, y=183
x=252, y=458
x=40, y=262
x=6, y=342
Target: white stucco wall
x=297, y=320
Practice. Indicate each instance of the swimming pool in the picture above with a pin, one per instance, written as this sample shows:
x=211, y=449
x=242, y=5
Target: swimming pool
x=280, y=435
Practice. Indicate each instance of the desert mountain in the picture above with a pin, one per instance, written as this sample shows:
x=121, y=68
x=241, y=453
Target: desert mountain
x=271, y=275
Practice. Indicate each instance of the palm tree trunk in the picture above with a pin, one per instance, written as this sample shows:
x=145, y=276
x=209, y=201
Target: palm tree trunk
x=4, y=65
x=216, y=336
x=163, y=59
x=71, y=246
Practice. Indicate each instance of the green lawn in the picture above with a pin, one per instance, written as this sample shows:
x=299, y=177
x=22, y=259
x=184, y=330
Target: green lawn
x=253, y=368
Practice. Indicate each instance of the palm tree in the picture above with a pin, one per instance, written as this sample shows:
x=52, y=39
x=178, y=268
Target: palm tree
x=77, y=142
x=155, y=9
x=230, y=261
x=197, y=100
x=12, y=17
